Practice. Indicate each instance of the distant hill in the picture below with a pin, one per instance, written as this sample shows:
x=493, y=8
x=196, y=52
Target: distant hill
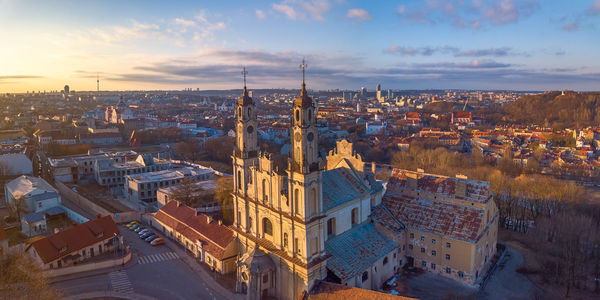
x=556, y=110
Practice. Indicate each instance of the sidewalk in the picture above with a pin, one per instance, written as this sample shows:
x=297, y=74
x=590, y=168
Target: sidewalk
x=94, y=273
x=108, y=295
x=190, y=261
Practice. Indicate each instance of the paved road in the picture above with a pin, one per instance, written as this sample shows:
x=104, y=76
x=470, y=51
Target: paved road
x=507, y=283
x=158, y=272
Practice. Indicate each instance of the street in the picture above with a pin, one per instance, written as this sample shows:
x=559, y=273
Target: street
x=154, y=272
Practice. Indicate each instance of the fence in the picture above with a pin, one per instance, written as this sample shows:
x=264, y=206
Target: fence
x=111, y=262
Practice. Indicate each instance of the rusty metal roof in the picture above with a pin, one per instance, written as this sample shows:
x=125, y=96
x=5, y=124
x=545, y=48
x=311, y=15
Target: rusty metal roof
x=356, y=250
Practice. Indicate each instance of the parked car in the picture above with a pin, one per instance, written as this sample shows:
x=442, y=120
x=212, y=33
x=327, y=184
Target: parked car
x=143, y=231
x=131, y=224
x=140, y=228
x=151, y=238
x=146, y=234
x=134, y=227
x=157, y=241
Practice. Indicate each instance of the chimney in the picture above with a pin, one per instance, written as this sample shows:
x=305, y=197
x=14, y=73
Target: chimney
x=208, y=219
x=412, y=180
x=220, y=222
x=461, y=187
x=373, y=167
x=197, y=212
x=98, y=216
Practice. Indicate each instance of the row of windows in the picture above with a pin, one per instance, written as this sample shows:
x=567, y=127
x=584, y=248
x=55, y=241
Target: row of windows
x=448, y=269
x=433, y=252
x=433, y=241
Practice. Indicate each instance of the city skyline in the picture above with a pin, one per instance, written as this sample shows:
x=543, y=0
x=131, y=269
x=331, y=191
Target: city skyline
x=517, y=45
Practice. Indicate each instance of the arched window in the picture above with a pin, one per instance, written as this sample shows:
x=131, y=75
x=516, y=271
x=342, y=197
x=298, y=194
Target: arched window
x=240, y=112
x=264, y=189
x=313, y=202
x=355, y=216
x=309, y=114
x=239, y=180
x=267, y=227
x=365, y=276
x=285, y=240
x=249, y=111
x=297, y=115
x=296, y=201
x=385, y=260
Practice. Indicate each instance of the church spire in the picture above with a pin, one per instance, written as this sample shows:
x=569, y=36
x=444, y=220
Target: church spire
x=303, y=67
x=244, y=73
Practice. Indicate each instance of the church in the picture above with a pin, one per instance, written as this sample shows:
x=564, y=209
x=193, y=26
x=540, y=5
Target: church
x=314, y=218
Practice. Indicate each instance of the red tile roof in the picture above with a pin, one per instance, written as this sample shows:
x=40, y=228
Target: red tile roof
x=323, y=290
x=194, y=226
x=75, y=238
x=431, y=214
x=3, y=235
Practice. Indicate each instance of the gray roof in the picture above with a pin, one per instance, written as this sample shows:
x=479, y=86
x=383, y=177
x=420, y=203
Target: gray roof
x=24, y=185
x=15, y=164
x=56, y=210
x=356, y=250
x=34, y=217
x=341, y=185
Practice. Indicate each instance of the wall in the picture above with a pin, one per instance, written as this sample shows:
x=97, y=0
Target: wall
x=79, y=200
x=89, y=266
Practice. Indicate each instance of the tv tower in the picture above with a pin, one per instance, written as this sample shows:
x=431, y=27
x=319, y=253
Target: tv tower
x=97, y=84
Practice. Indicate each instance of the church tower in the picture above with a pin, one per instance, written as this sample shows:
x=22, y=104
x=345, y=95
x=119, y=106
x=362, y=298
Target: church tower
x=245, y=153
x=305, y=152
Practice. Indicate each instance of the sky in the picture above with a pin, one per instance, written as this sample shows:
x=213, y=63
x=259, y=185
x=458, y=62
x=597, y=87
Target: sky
x=426, y=44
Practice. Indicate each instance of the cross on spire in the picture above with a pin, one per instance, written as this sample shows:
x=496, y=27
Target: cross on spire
x=244, y=73
x=303, y=67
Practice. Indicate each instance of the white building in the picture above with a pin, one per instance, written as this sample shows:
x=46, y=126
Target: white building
x=36, y=193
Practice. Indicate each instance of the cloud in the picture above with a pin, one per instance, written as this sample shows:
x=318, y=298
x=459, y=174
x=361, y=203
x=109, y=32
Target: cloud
x=454, y=51
x=468, y=14
x=595, y=8
x=357, y=13
x=474, y=64
x=287, y=10
x=260, y=14
x=302, y=10
x=571, y=26
x=9, y=79
x=184, y=22
x=317, y=8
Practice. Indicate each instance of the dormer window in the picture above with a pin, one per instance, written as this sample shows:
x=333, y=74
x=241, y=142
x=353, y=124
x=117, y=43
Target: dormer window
x=63, y=249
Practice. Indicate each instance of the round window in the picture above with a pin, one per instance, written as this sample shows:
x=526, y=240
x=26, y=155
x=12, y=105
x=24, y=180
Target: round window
x=250, y=129
x=310, y=136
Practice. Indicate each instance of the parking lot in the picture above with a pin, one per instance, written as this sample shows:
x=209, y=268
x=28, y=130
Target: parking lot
x=155, y=272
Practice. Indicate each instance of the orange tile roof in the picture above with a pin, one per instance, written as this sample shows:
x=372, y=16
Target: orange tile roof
x=75, y=238
x=323, y=290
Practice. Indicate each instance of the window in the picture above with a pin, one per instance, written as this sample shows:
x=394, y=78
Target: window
x=447, y=256
x=314, y=246
x=424, y=264
x=265, y=278
x=355, y=216
x=297, y=115
x=385, y=260
x=422, y=250
x=313, y=201
x=433, y=241
x=461, y=274
x=309, y=114
x=448, y=245
x=239, y=180
x=448, y=270
x=296, y=245
x=394, y=254
x=432, y=266
x=365, y=276
x=433, y=253
x=250, y=223
x=296, y=201
x=267, y=227
x=422, y=238
x=331, y=227
x=412, y=235
x=264, y=189
x=285, y=240
x=410, y=247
